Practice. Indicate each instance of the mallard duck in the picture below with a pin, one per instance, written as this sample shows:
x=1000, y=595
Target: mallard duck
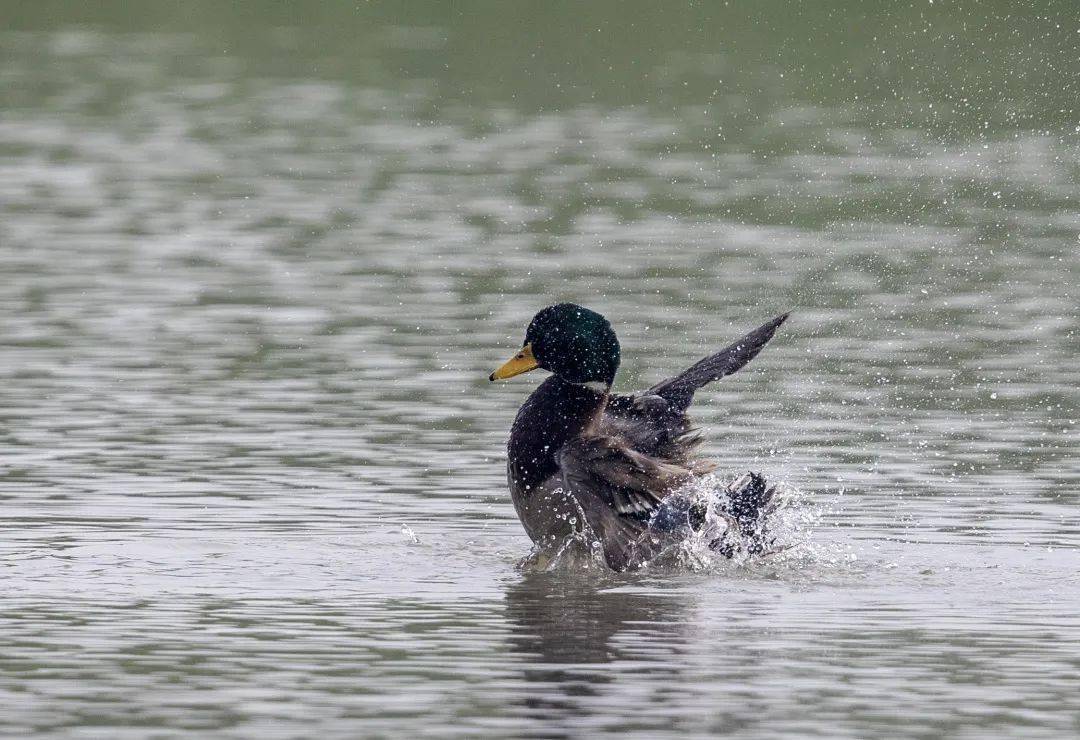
x=582, y=460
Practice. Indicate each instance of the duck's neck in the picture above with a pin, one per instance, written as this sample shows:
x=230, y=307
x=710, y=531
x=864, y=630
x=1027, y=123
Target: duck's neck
x=555, y=413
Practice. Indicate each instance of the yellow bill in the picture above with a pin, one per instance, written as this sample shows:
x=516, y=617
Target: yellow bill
x=520, y=363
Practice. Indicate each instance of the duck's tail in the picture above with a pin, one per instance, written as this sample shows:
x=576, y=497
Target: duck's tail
x=679, y=390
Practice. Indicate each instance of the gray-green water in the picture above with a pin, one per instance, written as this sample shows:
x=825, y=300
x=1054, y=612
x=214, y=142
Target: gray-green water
x=256, y=262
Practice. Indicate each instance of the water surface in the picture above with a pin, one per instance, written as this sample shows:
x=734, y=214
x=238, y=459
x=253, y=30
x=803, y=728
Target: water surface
x=255, y=265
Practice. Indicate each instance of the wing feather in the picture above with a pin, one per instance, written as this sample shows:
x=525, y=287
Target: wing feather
x=618, y=489
x=679, y=390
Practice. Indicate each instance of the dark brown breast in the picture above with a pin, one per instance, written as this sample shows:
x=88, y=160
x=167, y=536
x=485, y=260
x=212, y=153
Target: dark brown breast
x=556, y=412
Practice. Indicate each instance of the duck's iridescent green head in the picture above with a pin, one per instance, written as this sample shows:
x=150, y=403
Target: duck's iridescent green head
x=571, y=341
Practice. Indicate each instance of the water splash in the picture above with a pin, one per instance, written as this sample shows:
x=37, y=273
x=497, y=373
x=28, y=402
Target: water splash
x=787, y=527
x=716, y=543
x=408, y=533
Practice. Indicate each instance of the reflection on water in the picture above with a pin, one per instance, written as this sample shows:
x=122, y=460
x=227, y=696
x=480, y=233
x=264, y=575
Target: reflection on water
x=255, y=266
x=568, y=633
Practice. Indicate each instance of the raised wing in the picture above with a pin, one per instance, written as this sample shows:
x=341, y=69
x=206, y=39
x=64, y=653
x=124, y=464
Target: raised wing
x=654, y=421
x=679, y=390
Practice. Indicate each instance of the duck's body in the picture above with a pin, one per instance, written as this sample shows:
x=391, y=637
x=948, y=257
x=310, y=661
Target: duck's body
x=581, y=459
x=554, y=413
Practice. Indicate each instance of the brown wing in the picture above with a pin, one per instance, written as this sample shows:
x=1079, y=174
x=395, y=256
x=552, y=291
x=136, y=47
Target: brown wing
x=654, y=421
x=679, y=390
x=618, y=489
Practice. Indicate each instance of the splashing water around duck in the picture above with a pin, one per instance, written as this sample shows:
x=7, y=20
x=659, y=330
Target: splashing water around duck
x=694, y=529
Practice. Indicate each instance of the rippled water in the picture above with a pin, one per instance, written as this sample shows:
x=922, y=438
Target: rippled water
x=254, y=270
